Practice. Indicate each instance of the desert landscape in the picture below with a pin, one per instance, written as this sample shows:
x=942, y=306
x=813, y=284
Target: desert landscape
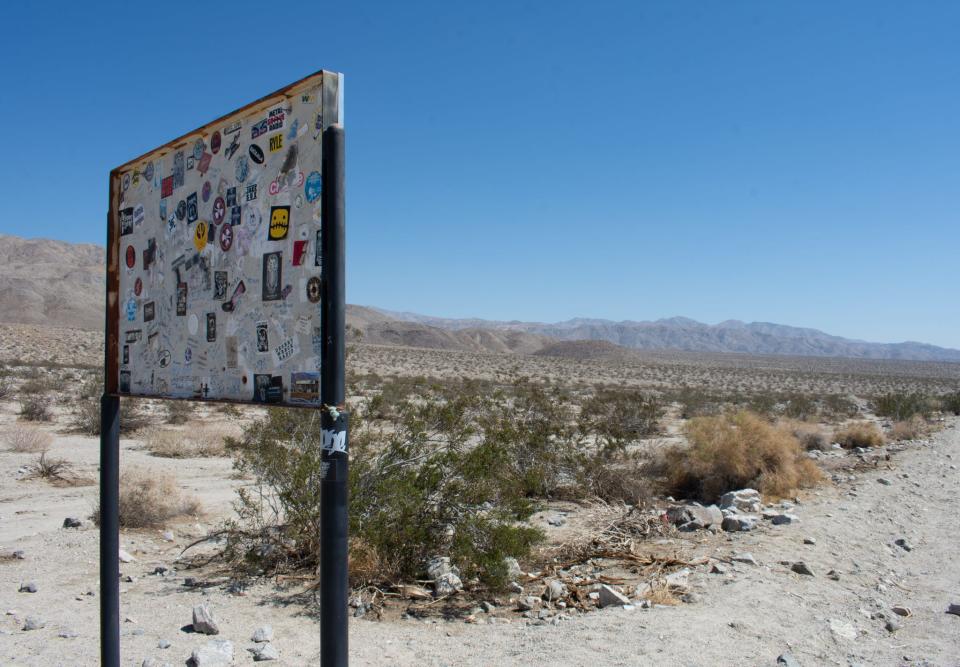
x=519, y=499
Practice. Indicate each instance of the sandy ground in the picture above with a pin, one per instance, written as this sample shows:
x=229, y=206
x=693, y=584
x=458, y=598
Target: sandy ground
x=748, y=616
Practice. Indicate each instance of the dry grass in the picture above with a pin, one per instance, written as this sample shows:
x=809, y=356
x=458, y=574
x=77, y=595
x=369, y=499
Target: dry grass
x=193, y=443
x=148, y=499
x=27, y=439
x=735, y=451
x=57, y=471
x=811, y=436
x=910, y=429
x=860, y=434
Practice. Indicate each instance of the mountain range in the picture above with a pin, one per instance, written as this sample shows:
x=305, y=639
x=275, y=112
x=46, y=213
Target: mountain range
x=54, y=283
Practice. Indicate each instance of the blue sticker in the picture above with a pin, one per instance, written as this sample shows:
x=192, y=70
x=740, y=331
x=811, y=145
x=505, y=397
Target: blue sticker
x=243, y=168
x=292, y=134
x=187, y=355
x=131, y=310
x=312, y=186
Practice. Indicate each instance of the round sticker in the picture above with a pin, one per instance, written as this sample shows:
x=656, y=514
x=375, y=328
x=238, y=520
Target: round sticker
x=193, y=323
x=243, y=167
x=207, y=189
x=163, y=358
x=215, y=142
x=148, y=171
x=181, y=210
x=138, y=287
x=313, y=186
x=226, y=237
x=200, y=235
x=131, y=257
x=256, y=153
x=252, y=217
x=126, y=181
x=219, y=210
x=313, y=290
x=298, y=202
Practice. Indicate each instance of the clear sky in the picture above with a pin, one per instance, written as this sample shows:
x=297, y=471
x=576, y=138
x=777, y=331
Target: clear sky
x=794, y=162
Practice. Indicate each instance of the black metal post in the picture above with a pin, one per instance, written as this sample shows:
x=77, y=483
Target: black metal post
x=333, y=485
x=110, y=531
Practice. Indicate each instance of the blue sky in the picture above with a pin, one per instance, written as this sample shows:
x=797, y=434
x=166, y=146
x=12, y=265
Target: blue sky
x=794, y=162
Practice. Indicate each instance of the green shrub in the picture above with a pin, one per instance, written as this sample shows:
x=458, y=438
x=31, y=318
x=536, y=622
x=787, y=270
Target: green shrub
x=951, y=403
x=617, y=419
x=901, y=407
x=178, y=412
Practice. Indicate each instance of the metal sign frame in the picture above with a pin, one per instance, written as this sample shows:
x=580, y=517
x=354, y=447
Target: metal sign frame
x=334, y=419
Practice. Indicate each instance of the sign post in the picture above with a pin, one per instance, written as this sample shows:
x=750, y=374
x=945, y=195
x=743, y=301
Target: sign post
x=225, y=283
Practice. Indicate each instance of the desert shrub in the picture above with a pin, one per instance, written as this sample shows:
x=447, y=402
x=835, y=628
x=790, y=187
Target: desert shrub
x=177, y=412
x=951, y=403
x=85, y=411
x=902, y=406
x=25, y=439
x=56, y=471
x=909, y=429
x=36, y=387
x=192, y=443
x=35, y=408
x=733, y=451
x=229, y=409
x=799, y=406
x=859, y=434
x=149, y=499
x=838, y=405
x=763, y=404
x=617, y=419
x=614, y=478
x=417, y=490
x=810, y=436
x=697, y=403
x=6, y=384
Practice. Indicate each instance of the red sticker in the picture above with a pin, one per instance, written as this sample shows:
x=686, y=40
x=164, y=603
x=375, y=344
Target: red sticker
x=215, y=142
x=219, y=210
x=204, y=163
x=226, y=237
x=299, y=252
x=131, y=257
x=166, y=186
x=138, y=287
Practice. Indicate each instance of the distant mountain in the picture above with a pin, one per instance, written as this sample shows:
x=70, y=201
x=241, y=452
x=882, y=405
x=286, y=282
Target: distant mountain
x=681, y=333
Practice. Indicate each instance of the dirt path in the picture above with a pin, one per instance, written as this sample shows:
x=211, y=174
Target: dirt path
x=748, y=616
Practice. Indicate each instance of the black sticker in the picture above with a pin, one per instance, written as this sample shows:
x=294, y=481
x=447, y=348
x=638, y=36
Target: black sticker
x=181, y=210
x=192, y=213
x=256, y=153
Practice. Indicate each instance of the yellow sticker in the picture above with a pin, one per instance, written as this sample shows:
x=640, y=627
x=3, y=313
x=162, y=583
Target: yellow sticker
x=279, y=223
x=276, y=142
x=200, y=235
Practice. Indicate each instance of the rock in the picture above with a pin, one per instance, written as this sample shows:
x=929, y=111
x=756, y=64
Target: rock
x=262, y=634
x=150, y=662
x=447, y=584
x=892, y=625
x=29, y=587
x=744, y=500
x=163, y=643
x=488, y=607
x=842, y=629
x=678, y=579
x=783, y=519
x=33, y=623
x=415, y=592
x=125, y=557
x=528, y=603
x=717, y=568
x=554, y=590
x=733, y=523
x=610, y=596
x=513, y=568
x=72, y=522
x=168, y=536
x=902, y=611
x=884, y=481
x=903, y=544
x=18, y=555
x=802, y=568
x=954, y=608
x=203, y=621
x=834, y=575
x=744, y=557
x=809, y=540
x=264, y=653
x=67, y=633
x=160, y=570
x=556, y=520
x=695, y=517
x=787, y=660
x=690, y=598
x=215, y=653
x=515, y=587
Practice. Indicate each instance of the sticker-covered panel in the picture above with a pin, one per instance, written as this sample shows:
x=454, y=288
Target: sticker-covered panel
x=219, y=272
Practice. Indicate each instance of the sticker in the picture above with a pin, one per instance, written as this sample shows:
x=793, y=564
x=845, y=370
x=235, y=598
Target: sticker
x=279, y=223
x=178, y=170
x=198, y=148
x=233, y=147
x=148, y=171
x=272, y=276
x=313, y=186
x=188, y=355
x=166, y=186
x=219, y=210
x=200, y=235
x=204, y=163
x=163, y=358
x=211, y=327
x=232, y=196
x=334, y=441
x=299, y=252
x=206, y=191
x=181, y=299
x=263, y=343
x=131, y=257
x=276, y=143
x=149, y=311
x=138, y=215
x=233, y=355
x=138, y=287
x=126, y=221
x=131, y=310
x=256, y=153
x=193, y=324
x=192, y=208
x=313, y=290
x=242, y=169
x=236, y=216
x=226, y=237
x=124, y=382
x=305, y=387
x=126, y=181
x=318, y=250
x=275, y=119
x=285, y=350
x=238, y=291
x=215, y=143
x=219, y=285
x=181, y=210
x=249, y=194
x=292, y=134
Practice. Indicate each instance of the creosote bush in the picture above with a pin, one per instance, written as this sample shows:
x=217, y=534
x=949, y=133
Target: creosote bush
x=190, y=443
x=86, y=410
x=149, y=499
x=951, y=403
x=734, y=451
x=27, y=439
x=860, y=434
x=35, y=408
x=177, y=412
x=909, y=429
x=903, y=406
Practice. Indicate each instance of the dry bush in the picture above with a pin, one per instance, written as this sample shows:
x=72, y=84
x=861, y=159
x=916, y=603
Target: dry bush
x=35, y=408
x=859, y=434
x=909, y=429
x=194, y=443
x=811, y=436
x=148, y=499
x=178, y=412
x=734, y=451
x=27, y=439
